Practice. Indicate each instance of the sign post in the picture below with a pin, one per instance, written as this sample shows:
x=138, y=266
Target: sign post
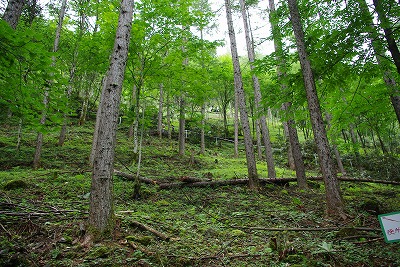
x=390, y=224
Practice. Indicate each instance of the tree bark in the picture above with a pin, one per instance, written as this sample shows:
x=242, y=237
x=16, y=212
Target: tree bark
x=239, y=91
x=13, y=12
x=257, y=97
x=335, y=207
x=101, y=214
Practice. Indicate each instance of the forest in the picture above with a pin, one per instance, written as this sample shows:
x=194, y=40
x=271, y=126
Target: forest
x=128, y=139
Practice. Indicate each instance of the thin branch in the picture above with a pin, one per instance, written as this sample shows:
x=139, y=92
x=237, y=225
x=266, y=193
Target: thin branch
x=312, y=229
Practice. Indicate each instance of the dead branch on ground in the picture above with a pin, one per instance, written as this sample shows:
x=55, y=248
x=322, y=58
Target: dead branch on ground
x=148, y=228
x=299, y=229
x=133, y=177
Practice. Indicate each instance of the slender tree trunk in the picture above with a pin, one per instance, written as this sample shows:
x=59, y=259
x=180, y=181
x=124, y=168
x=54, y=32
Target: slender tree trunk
x=202, y=134
x=257, y=97
x=225, y=119
x=63, y=132
x=85, y=105
x=239, y=91
x=354, y=143
x=258, y=136
x=101, y=214
x=169, y=118
x=334, y=200
x=387, y=28
x=13, y=12
x=335, y=149
x=97, y=125
x=182, y=105
x=294, y=149
x=19, y=135
x=137, y=184
x=160, y=111
x=388, y=76
x=182, y=133
x=296, y=152
x=39, y=140
x=381, y=143
x=136, y=123
x=289, y=146
x=131, y=129
x=236, y=126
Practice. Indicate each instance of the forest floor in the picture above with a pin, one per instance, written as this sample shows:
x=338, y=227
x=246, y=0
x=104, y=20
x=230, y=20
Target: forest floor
x=42, y=211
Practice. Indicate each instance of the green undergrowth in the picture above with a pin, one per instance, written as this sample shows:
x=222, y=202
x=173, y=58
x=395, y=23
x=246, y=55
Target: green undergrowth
x=42, y=212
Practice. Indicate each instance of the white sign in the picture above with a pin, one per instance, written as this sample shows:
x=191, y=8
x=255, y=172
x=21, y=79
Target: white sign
x=390, y=224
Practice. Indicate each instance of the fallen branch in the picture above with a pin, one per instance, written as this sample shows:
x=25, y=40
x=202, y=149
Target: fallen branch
x=298, y=229
x=204, y=184
x=349, y=179
x=148, y=228
x=277, y=181
x=133, y=177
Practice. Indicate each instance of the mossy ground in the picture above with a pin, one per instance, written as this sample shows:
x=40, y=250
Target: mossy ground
x=41, y=215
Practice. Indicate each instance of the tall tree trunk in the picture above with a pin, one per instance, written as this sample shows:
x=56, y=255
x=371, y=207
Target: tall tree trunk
x=169, y=127
x=97, y=125
x=335, y=149
x=133, y=109
x=334, y=200
x=294, y=149
x=236, y=126
x=239, y=91
x=354, y=143
x=388, y=76
x=202, y=134
x=136, y=123
x=258, y=136
x=291, y=164
x=13, y=12
x=182, y=133
x=63, y=132
x=39, y=139
x=257, y=97
x=182, y=104
x=388, y=30
x=160, y=111
x=101, y=214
